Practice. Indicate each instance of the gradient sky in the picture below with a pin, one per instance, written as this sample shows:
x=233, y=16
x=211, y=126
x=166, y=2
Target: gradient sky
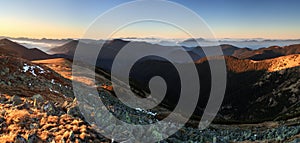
x=276, y=19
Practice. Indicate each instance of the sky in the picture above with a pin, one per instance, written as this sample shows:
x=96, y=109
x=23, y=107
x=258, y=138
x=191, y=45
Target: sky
x=272, y=19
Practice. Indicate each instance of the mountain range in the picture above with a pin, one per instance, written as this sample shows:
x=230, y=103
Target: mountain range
x=242, y=64
x=262, y=87
x=195, y=52
x=247, y=82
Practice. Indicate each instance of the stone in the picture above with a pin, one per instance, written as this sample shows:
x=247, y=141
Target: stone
x=296, y=141
x=2, y=113
x=2, y=99
x=33, y=138
x=16, y=100
x=66, y=135
x=25, y=105
x=6, y=70
x=20, y=139
x=2, y=73
x=38, y=98
x=72, y=136
x=50, y=108
x=74, y=111
x=2, y=120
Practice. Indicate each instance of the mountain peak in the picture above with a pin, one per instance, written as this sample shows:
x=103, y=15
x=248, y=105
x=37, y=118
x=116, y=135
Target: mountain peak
x=6, y=41
x=8, y=47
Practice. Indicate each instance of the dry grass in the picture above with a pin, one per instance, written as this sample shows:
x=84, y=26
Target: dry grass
x=6, y=138
x=64, y=68
x=60, y=65
x=16, y=116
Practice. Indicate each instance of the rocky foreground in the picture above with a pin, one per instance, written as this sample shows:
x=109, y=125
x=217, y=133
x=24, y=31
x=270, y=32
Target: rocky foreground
x=37, y=120
x=33, y=119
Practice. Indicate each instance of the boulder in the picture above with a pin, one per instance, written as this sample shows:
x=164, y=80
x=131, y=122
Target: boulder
x=16, y=100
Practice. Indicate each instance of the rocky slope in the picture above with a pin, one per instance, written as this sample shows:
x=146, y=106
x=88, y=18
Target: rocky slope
x=256, y=91
x=35, y=120
x=8, y=47
x=23, y=78
x=271, y=65
x=47, y=116
x=37, y=105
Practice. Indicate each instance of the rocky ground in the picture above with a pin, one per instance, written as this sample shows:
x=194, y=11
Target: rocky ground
x=273, y=131
x=37, y=120
x=33, y=119
x=37, y=105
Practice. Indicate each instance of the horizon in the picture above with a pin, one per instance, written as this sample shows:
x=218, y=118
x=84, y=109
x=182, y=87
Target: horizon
x=161, y=38
x=227, y=19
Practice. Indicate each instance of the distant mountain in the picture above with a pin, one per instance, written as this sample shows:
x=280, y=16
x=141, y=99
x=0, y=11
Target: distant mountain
x=67, y=49
x=8, y=47
x=111, y=48
x=270, y=52
x=271, y=65
x=45, y=40
x=193, y=40
x=255, y=43
x=260, y=54
x=230, y=50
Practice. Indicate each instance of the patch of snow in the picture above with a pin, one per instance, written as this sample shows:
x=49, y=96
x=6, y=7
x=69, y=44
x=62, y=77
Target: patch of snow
x=33, y=73
x=52, y=81
x=151, y=113
x=41, y=69
x=139, y=109
x=55, y=91
x=25, y=68
x=144, y=111
x=31, y=69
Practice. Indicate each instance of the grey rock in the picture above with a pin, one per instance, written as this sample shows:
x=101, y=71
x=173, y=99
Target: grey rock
x=25, y=105
x=72, y=136
x=2, y=120
x=50, y=108
x=2, y=113
x=38, y=98
x=33, y=138
x=74, y=111
x=2, y=99
x=16, y=100
x=20, y=139
x=2, y=73
x=296, y=141
x=6, y=70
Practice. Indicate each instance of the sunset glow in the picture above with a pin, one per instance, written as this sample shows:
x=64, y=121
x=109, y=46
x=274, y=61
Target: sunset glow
x=227, y=19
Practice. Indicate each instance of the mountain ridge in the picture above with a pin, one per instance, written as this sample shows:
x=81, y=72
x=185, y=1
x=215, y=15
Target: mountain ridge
x=11, y=48
x=196, y=52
